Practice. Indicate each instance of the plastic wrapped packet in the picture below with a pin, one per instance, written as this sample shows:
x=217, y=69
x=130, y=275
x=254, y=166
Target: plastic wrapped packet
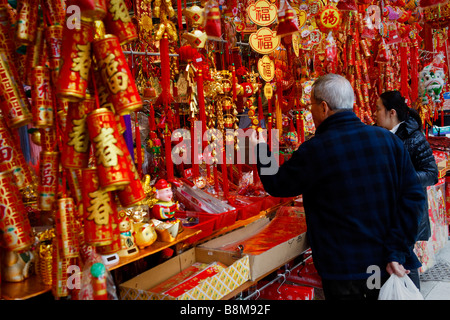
x=96, y=280
x=200, y=200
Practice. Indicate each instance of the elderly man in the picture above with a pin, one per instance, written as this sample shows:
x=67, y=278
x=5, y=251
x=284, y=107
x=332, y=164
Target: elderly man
x=361, y=195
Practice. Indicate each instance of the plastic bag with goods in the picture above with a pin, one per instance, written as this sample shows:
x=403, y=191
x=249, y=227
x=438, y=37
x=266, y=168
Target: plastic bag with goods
x=399, y=288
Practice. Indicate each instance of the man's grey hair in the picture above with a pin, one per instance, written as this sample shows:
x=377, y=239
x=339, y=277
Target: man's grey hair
x=335, y=90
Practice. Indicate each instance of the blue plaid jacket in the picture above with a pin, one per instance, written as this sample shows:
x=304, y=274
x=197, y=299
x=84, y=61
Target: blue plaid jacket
x=361, y=195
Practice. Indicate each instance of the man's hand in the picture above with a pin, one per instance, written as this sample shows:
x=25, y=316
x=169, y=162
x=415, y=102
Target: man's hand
x=257, y=137
x=396, y=268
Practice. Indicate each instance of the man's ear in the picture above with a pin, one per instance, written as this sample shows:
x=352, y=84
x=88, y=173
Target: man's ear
x=325, y=108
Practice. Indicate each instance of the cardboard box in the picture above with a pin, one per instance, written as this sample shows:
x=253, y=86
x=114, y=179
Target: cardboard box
x=266, y=261
x=212, y=288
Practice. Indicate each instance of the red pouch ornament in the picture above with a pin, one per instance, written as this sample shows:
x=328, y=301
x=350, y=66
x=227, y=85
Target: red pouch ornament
x=383, y=53
x=330, y=47
x=369, y=30
x=391, y=34
x=287, y=20
x=347, y=5
x=212, y=25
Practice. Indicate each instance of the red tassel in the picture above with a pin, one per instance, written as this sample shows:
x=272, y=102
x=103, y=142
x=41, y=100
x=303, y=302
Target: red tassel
x=260, y=109
x=233, y=74
x=216, y=180
x=225, y=175
x=151, y=119
x=404, y=70
x=165, y=70
x=180, y=15
x=168, y=150
x=414, y=73
x=269, y=123
x=201, y=103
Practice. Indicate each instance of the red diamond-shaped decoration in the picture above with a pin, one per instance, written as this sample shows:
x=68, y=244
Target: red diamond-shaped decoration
x=196, y=17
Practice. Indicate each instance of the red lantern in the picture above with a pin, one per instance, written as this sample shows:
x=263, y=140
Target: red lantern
x=12, y=158
x=14, y=224
x=14, y=103
x=75, y=151
x=42, y=98
x=99, y=207
x=118, y=22
x=49, y=164
x=65, y=228
x=110, y=157
x=76, y=62
x=116, y=75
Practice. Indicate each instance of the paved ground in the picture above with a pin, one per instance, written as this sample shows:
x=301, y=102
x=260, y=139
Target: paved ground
x=438, y=288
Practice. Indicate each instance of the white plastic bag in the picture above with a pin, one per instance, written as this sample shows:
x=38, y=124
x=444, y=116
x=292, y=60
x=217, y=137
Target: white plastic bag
x=399, y=288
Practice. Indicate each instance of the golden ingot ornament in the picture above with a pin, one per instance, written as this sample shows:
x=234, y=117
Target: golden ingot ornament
x=197, y=39
x=195, y=16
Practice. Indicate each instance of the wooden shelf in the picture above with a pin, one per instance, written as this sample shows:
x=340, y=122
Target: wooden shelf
x=156, y=247
x=27, y=289
x=33, y=286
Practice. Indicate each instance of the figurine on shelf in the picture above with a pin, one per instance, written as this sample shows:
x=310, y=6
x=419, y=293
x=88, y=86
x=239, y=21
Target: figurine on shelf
x=165, y=208
x=16, y=267
x=127, y=246
x=144, y=234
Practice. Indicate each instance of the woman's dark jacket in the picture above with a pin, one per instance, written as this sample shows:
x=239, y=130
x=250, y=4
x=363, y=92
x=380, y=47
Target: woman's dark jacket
x=424, y=162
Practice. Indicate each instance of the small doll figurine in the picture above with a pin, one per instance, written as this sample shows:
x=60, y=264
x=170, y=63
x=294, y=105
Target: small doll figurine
x=127, y=244
x=165, y=208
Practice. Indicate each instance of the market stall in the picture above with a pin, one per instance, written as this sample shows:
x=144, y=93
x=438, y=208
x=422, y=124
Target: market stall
x=124, y=132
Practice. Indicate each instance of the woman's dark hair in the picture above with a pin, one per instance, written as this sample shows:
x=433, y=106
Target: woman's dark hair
x=394, y=100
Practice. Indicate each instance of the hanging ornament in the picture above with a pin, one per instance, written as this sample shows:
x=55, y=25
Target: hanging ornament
x=264, y=41
x=195, y=16
x=266, y=68
x=262, y=13
x=432, y=80
x=384, y=54
x=287, y=20
x=212, y=21
x=329, y=18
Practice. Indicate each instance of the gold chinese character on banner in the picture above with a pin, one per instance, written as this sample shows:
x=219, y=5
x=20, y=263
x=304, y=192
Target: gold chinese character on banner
x=78, y=137
x=262, y=13
x=266, y=68
x=100, y=208
x=117, y=80
x=119, y=11
x=264, y=41
x=82, y=62
x=106, y=151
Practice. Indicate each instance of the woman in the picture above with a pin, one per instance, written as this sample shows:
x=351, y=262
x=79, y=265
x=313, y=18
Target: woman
x=394, y=114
